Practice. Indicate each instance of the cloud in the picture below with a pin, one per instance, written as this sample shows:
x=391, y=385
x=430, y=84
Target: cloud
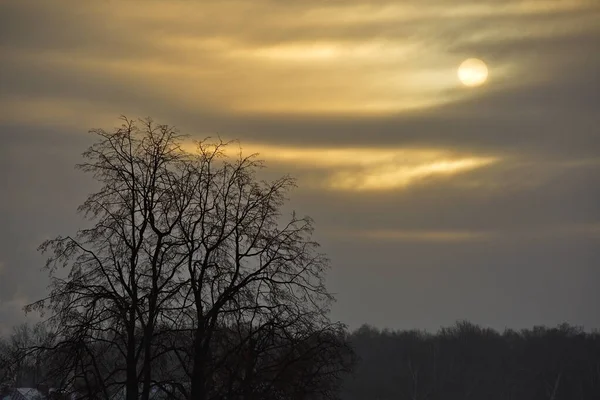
x=358, y=169
x=392, y=176
x=379, y=74
x=528, y=234
x=269, y=58
x=415, y=235
x=488, y=194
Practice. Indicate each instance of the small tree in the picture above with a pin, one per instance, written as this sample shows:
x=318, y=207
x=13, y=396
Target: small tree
x=188, y=265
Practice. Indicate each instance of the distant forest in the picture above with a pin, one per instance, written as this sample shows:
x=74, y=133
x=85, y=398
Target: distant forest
x=464, y=361
x=469, y=362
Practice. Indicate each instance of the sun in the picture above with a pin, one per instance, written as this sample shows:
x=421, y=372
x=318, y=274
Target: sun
x=472, y=72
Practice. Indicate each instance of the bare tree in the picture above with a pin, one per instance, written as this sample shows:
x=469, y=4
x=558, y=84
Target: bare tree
x=188, y=248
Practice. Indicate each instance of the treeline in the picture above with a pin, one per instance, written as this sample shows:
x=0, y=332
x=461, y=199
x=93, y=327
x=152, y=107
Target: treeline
x=470, y=362
x=460, y=362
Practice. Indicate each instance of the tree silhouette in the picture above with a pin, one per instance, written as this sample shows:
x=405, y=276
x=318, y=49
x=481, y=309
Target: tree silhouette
x=187, y=270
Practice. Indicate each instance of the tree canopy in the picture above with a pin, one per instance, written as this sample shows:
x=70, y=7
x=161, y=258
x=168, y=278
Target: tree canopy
x=190, y=279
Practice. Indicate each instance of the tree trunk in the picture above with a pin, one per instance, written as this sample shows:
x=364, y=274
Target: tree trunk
x=131, y=385
x=198, y=389
x=147, y=366
x=147, y=377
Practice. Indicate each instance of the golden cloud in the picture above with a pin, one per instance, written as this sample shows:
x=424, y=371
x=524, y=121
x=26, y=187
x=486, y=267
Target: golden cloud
x=394, y=176
x=533, y=233
x=271, y=57
x=369, y=169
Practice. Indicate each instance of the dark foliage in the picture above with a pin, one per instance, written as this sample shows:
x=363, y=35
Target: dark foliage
x=469, y=362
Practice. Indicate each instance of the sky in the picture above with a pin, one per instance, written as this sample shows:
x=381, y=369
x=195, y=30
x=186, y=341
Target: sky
x=435, y=202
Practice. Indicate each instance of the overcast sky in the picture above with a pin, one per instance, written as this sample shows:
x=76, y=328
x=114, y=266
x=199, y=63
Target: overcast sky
x=434, y=201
